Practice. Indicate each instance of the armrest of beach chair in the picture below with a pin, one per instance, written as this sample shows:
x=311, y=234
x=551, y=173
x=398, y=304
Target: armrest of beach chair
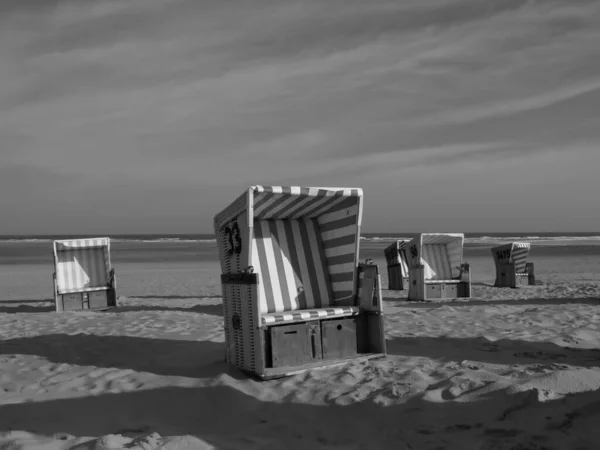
x=369, y=292
x=465, y=272
x=530, y=273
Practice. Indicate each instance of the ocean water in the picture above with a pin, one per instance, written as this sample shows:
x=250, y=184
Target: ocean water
x=202, y=247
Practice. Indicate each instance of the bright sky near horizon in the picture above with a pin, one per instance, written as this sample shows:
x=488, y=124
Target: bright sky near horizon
x=150, y=116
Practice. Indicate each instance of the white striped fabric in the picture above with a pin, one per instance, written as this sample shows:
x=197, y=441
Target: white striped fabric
x=283, y=202
x=290, y=257
x=82, y=264
x=309, y=314
x=520, y=252
x=436, y=261
x=440, y=253
x=516, y=252
x=396, y=254
x=339, y=229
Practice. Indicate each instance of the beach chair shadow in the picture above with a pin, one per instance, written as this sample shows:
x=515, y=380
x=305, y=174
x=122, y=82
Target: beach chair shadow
x=398, y=302
x=13, y=306
x=224, y=417
x=174, y=357
x=503, y=351
x=175, y=297
x=213, y=310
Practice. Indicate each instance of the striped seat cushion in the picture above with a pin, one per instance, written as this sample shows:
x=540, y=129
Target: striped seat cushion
x=80, y=269
x=309, y=314
x=436, y=262
x=289, y=255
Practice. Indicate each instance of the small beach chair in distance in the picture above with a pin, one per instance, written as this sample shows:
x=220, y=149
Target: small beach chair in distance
x=436, y=267
x=397, y=265
x=511, y=264
x=295, y=296
x=83, y=276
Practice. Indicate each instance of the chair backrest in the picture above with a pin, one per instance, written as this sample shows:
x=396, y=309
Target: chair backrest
x=290, y=257
x=396, y=254
x=440, y=253
x=436, y=261
x=81, y=264
x=513, y=252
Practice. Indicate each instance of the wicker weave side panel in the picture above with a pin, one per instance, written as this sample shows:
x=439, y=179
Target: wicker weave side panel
x=233, y=261
x=232, y=211
x=241, y=330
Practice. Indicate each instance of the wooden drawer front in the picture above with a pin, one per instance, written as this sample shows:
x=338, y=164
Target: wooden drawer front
x=339, y=338
x=296, y=344
x=72, y=302
x=98, y=299
x=448, y=290
x=433, y=291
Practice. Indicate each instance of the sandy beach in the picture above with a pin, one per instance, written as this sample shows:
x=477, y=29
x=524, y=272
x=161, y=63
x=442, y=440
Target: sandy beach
x=507, y=369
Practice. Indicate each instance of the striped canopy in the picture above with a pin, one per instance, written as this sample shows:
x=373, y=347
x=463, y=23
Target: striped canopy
x=82, y=264
x=395, y=253
x=304, y=243
x=514, y=252
x=294, y=202
x=440, y=253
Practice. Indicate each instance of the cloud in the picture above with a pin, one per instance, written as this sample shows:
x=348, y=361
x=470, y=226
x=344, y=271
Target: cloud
x=186, y=95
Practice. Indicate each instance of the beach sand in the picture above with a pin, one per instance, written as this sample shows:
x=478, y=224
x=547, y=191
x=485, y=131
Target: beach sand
x=507, y=369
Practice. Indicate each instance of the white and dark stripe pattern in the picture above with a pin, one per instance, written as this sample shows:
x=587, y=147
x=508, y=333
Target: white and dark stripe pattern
x=310, y=314
x=515, y=252
x=436, y=261
x=294, y=202
x=289, y=256
x=396, y=254
x=82, y=264
x=440, y=253
x=339, y=232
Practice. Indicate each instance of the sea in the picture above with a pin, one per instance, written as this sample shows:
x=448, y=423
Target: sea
x=37, y=249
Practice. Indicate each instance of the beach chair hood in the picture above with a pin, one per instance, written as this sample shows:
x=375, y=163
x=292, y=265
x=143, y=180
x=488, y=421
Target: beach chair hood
x=441, y=254
x=513, y=252
x=82, y=264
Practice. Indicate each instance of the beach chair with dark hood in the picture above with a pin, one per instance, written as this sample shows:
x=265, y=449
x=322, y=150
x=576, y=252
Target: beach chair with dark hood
x=511, y=264
x=295, y=296
x=83, y=276
x=397, y=265
x=436, y=267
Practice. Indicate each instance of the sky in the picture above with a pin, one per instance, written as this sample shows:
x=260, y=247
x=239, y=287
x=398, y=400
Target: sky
x=150, y=116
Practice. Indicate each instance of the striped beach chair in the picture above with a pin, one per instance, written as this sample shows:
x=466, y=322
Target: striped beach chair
x=83, y=277
x=397, y=265
x=511, y=264
x=294, y=294
x=436, y=267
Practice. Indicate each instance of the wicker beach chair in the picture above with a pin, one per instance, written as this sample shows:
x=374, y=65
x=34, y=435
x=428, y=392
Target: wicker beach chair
x=397, y=265
x=294, y=295
x=436, y=267
x=511, y=264
x=83, y=277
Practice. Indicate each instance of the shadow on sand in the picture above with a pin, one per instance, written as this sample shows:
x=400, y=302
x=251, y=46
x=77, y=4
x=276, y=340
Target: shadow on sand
x=503, y=351
x=214, y=310
x=174, y=297
x=21, y=307
x=225, y=418
x=174, y=357
x=402, y=302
